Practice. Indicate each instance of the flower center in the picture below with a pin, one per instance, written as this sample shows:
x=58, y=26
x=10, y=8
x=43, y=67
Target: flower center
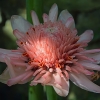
x=47, y=50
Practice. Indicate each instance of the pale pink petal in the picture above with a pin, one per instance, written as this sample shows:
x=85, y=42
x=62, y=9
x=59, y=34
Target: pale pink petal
x=8, y=74
x=11, y=71
x=35, y=18
x=70, y=23
x=37, y=71
x=17, y=79
x=60, y=91
x=95, y=56
x=18, y=34
x=45, y=17
x=83, y=82
x=83, y=57
x=90, y=51
x=53, y=13
x=83, y=70
x=61, y=85
x=30, y=74
x=26, y=80
x=3, y=54
x=42, y=77
x=20, y=23
x=90, y=66
x=64, y=15
x=5, y=51
x=87, y=36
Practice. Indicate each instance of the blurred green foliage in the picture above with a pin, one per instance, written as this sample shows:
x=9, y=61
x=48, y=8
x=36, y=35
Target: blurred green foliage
x=87, y=16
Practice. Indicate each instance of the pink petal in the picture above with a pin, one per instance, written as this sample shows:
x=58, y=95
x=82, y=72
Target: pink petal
x=7, y=53
x=53, y=13
x=20, y=23
x=60, y=91
x=13, y=70
x=3, y=54
x=83, y=70
x=30, y=74
x=17, y=79
x=82, y=57
x=18, y=34
x=45, y=17
x=91, y=51
x=64, y=16
x=90, y=66
x=95, y=56
x=26, y=80
x=35, y=18
x=43, y=77
x=83, y=82
x=87, y=36
x=61, y=86
x=70, y=23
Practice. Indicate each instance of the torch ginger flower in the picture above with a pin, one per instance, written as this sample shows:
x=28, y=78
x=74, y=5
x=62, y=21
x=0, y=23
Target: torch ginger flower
x=50, y=53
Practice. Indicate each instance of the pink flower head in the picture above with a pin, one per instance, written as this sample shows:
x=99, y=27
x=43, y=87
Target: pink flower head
x=50, y=53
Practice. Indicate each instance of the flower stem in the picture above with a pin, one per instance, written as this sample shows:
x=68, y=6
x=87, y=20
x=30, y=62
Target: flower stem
x=29, y=7
x=51, y=95
x=35, y=92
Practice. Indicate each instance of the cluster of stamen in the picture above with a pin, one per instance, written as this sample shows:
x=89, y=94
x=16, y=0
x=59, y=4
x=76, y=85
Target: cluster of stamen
x=66, y=55
x=62, y=63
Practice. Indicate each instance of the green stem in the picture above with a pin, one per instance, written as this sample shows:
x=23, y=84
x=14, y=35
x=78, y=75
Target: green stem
x=51, y=95
x=29, y=8
x=37, y=6
x=36, y=92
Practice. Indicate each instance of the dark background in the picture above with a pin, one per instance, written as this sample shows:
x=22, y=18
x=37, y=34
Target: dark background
x=87, y=16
